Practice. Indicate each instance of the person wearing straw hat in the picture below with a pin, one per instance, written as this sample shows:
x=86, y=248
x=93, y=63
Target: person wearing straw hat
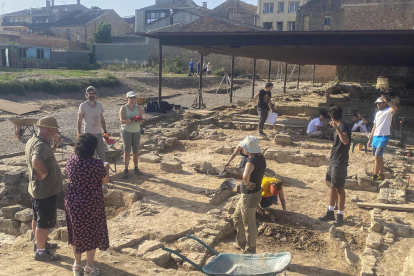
x=244, y=216
x=45, y=182
x=380, y=134
x=91, y=111
x=130, y=116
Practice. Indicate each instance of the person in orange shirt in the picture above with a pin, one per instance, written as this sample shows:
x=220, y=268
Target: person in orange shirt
x=271, y=189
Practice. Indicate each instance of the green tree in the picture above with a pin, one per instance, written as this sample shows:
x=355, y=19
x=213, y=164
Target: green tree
x=103, y=33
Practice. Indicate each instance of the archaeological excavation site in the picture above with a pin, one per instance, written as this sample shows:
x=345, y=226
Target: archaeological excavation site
x=186, y=189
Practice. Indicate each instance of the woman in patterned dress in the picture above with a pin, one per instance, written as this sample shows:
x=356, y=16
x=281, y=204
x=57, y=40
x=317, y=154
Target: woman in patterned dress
x=84, y=205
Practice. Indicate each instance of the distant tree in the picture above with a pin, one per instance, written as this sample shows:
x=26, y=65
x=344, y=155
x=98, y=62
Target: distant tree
x=103, y=33
x=95, y=8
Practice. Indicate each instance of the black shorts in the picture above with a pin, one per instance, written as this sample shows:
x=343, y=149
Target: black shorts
x=45, y=212
x=337, y=174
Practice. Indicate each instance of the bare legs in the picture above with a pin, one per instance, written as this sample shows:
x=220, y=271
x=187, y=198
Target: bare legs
x=337, y=195
x=378, y=165
x=90, y=256
x=40, y=235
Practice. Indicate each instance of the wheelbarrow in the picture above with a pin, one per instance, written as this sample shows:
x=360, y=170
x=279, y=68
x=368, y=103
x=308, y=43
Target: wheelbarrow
x=113, y=155
x=266, y=264
x=23, y=124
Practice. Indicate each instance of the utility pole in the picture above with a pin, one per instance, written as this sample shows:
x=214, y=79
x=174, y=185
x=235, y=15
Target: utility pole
x=2, y=8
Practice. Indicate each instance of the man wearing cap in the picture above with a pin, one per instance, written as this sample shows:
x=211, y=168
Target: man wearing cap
x=45, y=182
x=91, y=111
x=380, y=134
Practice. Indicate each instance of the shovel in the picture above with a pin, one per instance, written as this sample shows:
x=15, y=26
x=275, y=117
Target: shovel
x=111, y=142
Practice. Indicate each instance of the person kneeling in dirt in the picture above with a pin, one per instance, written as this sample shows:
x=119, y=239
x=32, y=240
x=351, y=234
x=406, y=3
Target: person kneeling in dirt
x=315, y=127
x=244, y=216
x=338, y=166
x=271, y=188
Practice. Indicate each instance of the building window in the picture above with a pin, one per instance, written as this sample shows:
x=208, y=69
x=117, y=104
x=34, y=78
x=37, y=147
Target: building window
x=279, y=26
x=293, y=6
x=305, y=26
x=268, y=8
x=280, y=7
x=40, y=54
x=268, y=25
x=55, y=10
x=291, y=25
x=231, y=9
x=328, y=3
x=327, y=21
x=153, y=16
x=68, y=34
x=22, y=53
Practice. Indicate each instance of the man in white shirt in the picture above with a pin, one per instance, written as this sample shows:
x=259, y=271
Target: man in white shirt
x=380, y=134
x=315, y=127
x=360, y=123
x=91, y=112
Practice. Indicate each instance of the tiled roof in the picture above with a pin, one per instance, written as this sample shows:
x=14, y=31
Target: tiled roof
x=171, y=6
x=217, y=24
x=79, y=18
x=40, y=10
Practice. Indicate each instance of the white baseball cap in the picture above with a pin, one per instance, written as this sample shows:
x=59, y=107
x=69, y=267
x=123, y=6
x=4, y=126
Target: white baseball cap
x=379, y=100
x=250, y=144
x=131, y=94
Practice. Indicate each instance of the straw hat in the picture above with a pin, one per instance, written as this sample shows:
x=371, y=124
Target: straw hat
x=47, y=122
x=250, y=144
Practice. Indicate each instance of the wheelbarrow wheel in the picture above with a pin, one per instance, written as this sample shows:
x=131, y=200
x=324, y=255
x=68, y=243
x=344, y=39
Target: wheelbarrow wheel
x=19, y=132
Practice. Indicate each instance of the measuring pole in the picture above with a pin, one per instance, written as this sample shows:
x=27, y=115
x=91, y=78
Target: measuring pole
x=254, y=76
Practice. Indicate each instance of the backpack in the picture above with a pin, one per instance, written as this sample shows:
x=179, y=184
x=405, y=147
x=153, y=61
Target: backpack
x=164, y=107
x=151, y=106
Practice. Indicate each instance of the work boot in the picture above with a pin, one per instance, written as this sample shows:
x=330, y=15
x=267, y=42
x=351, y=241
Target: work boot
x=329, y=215
x=47, y=256
x=374, y=177
x=339, y=220
x=380, y=177
x=137, y=171
x=47, y=246
x=261, y=133
x=125, y=174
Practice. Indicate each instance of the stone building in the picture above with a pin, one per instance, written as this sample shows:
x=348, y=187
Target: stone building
x=81, y=25
x=235, y=10
x=25, y=57
x=38, y=20
x=317, y=15
x=278, y=15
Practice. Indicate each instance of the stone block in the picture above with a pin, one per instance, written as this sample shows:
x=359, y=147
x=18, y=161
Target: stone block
x=127, y=241
x=61, y=218
x=228, y=150
x=350, y=257
x=148, y=246
x=159, y=257
x=354, y=198
x=64, y=234
x=10, y=226
x=402, y=230
x=10, y=211
x=351, y=184
x=283, y=139
x=375, y=226
x=374, y=241
x=25, y=226
x=24, y=215
x=29, y=236
x=150, y=158
x=197, y=258
x=364, y=180
x=218, y=150
x=129, y=251
x=171, y=140
x=171, y=166
x=218, y=198
x=332, y=232
x=3, y=190
x=12, y=178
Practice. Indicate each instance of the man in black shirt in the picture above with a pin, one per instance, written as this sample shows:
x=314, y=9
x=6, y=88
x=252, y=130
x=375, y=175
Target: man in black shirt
x=264, y=105
x=338, y=165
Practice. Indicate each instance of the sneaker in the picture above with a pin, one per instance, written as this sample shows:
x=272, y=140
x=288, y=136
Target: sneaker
x=125, y=174
x=329, y=215
x=339, y=220
x=336, y=207
x=47, y=256
x=47, y=246
x=374, y=177
x=137, y=171
x=380, y=177
x=261, y=133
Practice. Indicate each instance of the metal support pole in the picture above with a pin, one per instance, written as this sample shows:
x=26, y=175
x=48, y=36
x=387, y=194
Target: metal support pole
x=284, y=85
x=297, y=87
x=200, y=89
x=254, y=76
x=270, y=68
x=160, y=74
x=232, y=76
x=313, y=75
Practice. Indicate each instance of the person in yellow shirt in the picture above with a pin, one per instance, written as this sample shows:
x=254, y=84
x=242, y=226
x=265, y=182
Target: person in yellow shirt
x=271, y=189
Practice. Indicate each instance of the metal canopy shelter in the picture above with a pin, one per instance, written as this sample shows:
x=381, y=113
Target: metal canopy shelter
x=358, y=48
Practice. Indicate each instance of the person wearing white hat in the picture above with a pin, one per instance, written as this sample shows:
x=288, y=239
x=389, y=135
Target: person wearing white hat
x=130, y=116
x=380, y=134
x=244, y=216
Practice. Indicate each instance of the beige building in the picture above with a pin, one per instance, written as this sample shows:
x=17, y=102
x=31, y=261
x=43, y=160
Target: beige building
x=278, y=15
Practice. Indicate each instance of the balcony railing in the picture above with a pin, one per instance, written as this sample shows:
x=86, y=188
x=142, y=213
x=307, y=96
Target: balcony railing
x=6, y=24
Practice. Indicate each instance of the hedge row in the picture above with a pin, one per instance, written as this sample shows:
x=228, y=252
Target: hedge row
x=55, y=86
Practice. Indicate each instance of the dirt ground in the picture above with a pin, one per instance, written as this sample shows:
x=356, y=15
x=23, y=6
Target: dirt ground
x=176, y=201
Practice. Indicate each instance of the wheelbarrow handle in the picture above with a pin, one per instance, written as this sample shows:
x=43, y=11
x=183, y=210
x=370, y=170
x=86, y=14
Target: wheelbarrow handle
x=184, y=258
x=205, y=245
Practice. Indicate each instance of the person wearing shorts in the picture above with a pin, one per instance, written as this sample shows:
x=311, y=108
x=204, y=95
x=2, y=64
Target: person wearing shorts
x=338, y=166
x=380, y=134
x=130, y=116
x=45, y=182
